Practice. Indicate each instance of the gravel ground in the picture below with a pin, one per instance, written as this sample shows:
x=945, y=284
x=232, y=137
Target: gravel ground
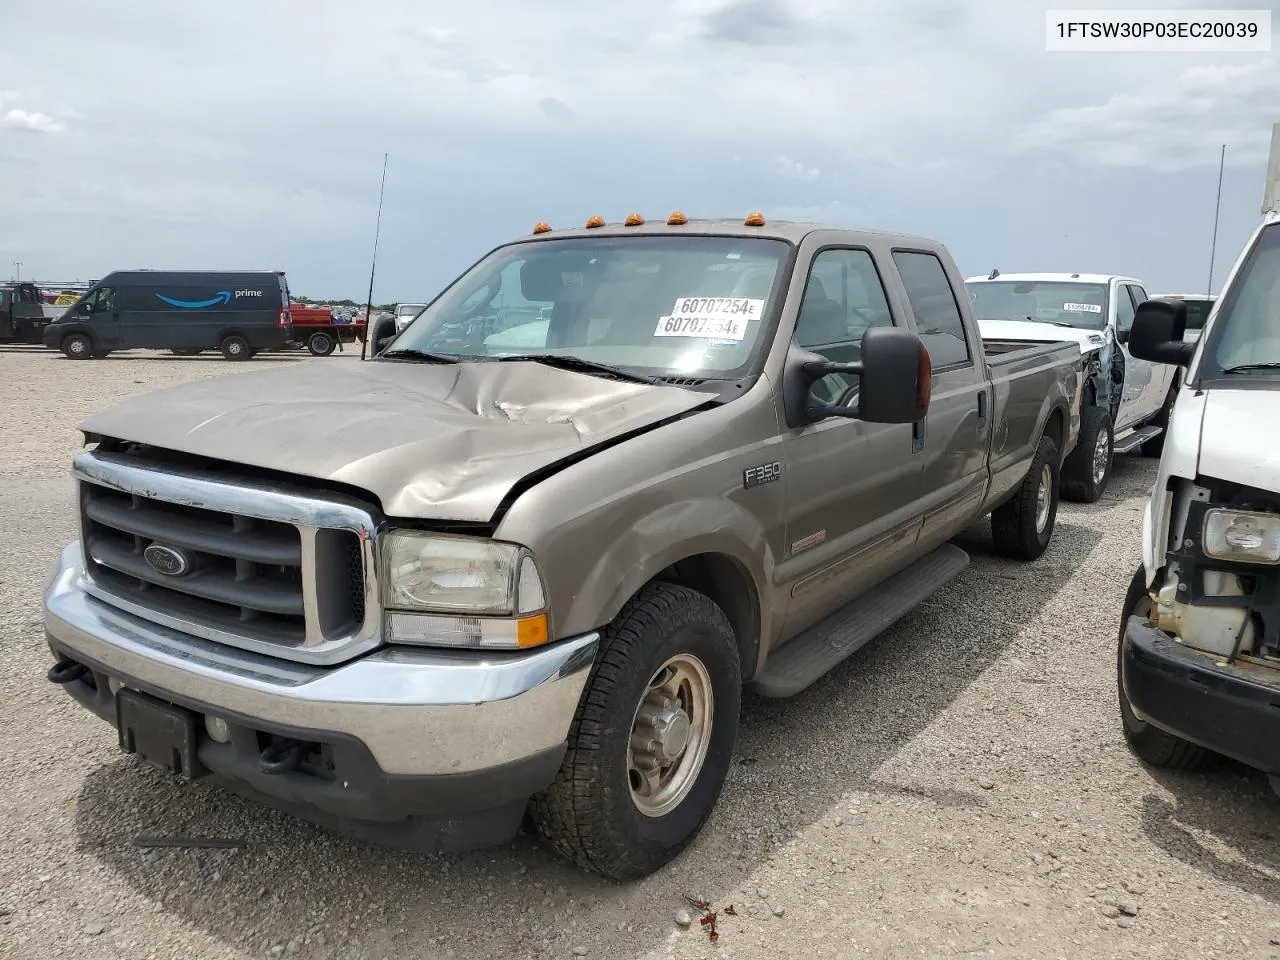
x=958, y=788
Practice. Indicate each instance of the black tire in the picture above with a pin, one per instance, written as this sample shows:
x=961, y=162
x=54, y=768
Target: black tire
x=77, y=346
x=1080, y=479
x=320, y=344
x=1155, y=446
x=1014, y=524
x=588, y=815
x=1149, y=743
x=235, y=347
x=186, y=352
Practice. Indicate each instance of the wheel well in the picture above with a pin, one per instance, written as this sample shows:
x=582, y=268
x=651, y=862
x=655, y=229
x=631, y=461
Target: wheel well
x=233, y=332
x=730, y=587
x=1056, y=427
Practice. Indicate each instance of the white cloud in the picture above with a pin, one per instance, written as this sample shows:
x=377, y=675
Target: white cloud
x=31, y=121
x=796, y=169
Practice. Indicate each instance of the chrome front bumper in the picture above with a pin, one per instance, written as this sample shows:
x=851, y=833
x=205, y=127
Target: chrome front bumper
x=419, y=712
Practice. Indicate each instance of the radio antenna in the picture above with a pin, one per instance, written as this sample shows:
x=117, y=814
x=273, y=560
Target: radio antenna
x=1213, y=246
x=373, y=266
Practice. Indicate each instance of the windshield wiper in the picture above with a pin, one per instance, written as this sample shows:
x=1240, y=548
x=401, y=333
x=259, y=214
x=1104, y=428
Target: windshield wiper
x=1246, y=367
x=409, y=353
x=579, y=364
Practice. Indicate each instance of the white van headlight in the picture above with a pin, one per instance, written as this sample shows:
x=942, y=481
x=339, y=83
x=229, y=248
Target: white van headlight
x=453, y=591
x=1243, y=536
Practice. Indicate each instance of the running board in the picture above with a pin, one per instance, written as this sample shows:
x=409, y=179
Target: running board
x=1136, y=439
x=806, y=658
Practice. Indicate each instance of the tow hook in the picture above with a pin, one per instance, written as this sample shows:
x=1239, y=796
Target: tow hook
x=281, y=756
x=66, y=671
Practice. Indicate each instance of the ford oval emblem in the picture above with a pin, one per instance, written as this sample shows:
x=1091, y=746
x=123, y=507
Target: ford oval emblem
x=167, y=560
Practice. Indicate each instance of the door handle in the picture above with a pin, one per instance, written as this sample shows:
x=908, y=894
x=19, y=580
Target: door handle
x=982, y=405
x=917, y=436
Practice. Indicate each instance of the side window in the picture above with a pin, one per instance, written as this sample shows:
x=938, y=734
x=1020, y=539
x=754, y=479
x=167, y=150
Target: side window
x=1139, y=295
x=934, y=304
x=103, y=300
x=843, y=297
x=1124, y=307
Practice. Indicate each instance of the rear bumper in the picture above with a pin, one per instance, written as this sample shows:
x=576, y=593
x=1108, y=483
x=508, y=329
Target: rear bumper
x=1232, y=710
x=453, y=741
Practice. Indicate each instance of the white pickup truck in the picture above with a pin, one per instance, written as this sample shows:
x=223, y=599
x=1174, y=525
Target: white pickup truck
x=1199, y=642
x=1127, y=401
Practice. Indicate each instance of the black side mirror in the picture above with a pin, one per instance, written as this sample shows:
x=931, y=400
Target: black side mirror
x=895, y=374
x=382, y=332
x=1157, y=333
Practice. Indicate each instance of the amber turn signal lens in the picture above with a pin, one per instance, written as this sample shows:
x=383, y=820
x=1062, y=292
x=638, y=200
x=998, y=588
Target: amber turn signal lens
x=542, y=227
x=677, y=219
x=532, y=631
x=595, y=222
x=754, y=220
x=634, y=220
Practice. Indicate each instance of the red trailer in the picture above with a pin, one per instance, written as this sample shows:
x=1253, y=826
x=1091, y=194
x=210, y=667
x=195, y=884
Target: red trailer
x=317, y=330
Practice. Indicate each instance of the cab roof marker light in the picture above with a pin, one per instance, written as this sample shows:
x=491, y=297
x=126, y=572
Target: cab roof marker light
x=634, y=220
x=593, y=222
x=677, y=219
x=541, y=227
x=755, y=219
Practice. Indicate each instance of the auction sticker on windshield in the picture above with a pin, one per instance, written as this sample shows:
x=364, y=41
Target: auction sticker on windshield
x=1082, y=307
x=721, y=318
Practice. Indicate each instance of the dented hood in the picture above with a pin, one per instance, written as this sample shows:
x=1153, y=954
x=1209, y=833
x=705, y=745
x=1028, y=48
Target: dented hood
x=1234, y=437
x=431, y=441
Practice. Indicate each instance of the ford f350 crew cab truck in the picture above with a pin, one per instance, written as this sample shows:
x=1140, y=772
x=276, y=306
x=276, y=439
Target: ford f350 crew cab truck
x=1199, y=643
x=1126, y=400
x=415, y=597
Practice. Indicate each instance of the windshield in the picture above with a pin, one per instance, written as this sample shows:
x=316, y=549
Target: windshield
x=1246, y=334
x=685, y=306
x=1082, y=305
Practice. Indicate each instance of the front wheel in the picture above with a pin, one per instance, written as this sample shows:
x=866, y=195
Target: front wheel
x=1087, y=469
x=1150, y=743
x=652, y=739
x=77, y=346
x=1023, y=526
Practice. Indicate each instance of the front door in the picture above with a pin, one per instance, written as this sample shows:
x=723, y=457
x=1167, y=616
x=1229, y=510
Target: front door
x=955, y=437
x=851, y=487
x=104, y=317
x=1137, y=373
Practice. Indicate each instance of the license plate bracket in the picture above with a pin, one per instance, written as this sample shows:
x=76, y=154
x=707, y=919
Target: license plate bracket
x=162, y=734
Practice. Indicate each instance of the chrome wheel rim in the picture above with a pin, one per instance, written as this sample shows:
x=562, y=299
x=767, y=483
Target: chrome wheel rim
x=1042, y=497
x=670, y=735
x=77, y=346
x=234, y=347
x=1101, y=456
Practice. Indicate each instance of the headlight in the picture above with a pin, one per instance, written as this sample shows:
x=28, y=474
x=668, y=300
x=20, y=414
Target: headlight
x=461, y=591
x=1244, y=537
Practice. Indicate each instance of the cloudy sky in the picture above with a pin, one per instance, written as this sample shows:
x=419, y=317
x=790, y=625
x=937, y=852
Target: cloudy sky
x=251, y=134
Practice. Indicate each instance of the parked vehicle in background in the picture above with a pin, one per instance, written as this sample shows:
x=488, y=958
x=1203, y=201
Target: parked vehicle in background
x=465, y=582
x=1198, y=662
x=404, y=314
x=186, y=312
x=23, y=314
x=320, y=331
x=1199, y=306
x=1126, y=401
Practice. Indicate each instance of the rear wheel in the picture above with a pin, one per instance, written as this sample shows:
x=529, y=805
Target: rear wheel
x=1151, y=744
x=651, y=742
x=1087, y=470
x=1155, y=446
x=77, y=346
x=1023, y=526
x=320, y=344
x=235, y=347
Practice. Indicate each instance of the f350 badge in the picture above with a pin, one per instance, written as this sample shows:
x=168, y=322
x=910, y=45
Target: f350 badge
x=760, y=474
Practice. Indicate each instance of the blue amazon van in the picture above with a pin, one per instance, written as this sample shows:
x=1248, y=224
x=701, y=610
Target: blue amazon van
x=186, y=313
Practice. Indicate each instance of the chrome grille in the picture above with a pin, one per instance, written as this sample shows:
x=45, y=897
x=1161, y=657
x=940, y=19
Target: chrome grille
x=267, y=568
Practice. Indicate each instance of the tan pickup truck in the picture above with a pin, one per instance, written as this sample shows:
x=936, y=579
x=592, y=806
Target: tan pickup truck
x=526, y=558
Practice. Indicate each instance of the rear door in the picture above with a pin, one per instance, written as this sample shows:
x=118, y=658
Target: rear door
x=851, y=486
x=956, y=430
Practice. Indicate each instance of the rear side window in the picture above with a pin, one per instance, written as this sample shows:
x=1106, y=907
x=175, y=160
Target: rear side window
x=934, y=304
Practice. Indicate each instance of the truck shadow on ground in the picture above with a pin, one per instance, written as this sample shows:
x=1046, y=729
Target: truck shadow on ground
x=116, y=356
x=1221, y=821
x=309, y=893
